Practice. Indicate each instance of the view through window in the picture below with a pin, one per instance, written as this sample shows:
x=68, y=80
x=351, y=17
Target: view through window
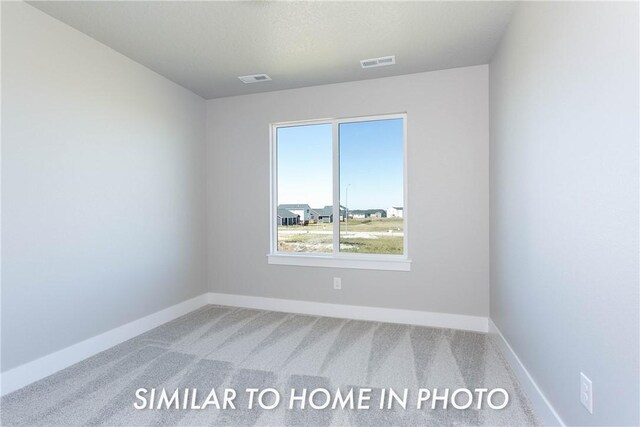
x=366, y=163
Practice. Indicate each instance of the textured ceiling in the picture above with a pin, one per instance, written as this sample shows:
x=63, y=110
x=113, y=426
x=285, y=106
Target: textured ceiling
x=205, y=46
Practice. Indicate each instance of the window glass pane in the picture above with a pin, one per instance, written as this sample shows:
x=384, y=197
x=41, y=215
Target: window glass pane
x=371, y=187
x=305, y=189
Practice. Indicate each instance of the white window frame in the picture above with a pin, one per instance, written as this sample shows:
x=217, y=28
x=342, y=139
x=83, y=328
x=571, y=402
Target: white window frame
x=336, y=259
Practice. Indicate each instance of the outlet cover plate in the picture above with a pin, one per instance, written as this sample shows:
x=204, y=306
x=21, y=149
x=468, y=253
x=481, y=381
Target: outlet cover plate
x=586, y=392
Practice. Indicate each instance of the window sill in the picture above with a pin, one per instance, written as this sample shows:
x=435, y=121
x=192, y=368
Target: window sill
x=341, y=262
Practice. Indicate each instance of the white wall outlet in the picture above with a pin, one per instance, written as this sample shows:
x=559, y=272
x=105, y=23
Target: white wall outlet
x=586, y=392
x=337, y=283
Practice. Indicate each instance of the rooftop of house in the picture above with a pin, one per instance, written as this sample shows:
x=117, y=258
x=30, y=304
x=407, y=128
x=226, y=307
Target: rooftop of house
x=284, y=213
x=294, y=206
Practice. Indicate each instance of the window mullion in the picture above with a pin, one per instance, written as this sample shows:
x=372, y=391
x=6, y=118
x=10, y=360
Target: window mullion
x=274, y=189
x=336, y=189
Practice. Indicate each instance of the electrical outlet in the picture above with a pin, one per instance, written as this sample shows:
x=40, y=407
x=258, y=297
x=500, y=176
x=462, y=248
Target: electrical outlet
x=586, y=392
x=337, y=283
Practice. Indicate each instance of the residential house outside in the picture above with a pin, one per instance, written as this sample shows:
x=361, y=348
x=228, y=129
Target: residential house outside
x=367, y=213
x=395, y=212
x=287, y=214
x=326, y=214
x=286, y=217
x=300, y=209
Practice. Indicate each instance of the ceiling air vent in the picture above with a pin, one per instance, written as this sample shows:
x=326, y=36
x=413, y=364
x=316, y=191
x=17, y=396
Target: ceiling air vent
x=378, y=62
x=255, y=78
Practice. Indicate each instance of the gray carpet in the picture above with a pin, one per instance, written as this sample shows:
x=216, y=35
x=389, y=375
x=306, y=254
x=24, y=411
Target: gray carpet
x=222, y=347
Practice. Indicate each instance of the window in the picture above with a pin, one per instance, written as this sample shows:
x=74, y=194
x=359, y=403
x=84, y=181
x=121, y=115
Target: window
x=338, y=193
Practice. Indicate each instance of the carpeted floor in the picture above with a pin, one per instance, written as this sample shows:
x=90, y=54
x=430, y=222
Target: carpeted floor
x=222, y=347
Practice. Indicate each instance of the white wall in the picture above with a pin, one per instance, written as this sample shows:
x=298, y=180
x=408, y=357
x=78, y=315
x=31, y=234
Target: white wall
x=448, y=192
x=102, y=188
x=564, y=202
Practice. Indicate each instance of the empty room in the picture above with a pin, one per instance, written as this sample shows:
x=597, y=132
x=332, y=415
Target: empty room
x=320, y=213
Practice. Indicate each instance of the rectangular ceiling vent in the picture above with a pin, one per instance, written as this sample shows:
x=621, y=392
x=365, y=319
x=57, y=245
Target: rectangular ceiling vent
x=378, y=62
x=255, y=78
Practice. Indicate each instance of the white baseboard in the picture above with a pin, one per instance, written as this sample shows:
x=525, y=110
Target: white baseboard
x=23, y=375
x=541, y=405
x=378, y=314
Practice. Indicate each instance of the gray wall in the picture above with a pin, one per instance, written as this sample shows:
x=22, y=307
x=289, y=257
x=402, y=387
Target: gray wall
x=564, y=202
x=448, y=192
x=102, y=188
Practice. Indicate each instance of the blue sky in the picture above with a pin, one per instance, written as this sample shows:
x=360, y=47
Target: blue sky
x=371, y=164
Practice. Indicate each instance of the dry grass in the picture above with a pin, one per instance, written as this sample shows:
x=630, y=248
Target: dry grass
x=367, y=236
